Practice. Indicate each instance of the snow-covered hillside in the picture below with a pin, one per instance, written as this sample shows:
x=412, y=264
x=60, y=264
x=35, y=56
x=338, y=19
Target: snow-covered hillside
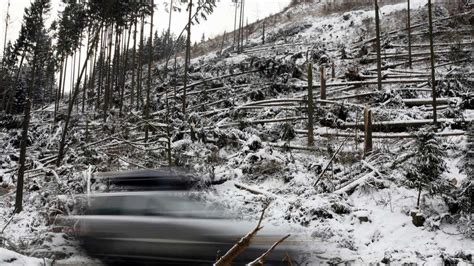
x=245, y=135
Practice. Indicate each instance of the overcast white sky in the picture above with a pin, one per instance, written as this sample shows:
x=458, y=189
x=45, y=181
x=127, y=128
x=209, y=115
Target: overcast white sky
x=221, y=20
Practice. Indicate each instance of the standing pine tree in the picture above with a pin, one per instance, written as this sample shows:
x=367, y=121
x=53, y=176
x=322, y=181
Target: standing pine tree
x=428, y=165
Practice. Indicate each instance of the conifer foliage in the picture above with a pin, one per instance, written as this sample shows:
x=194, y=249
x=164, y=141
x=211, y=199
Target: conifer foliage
x=428, y=165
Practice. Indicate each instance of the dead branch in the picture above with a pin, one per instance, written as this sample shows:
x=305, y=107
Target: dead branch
x=255, y=190
x=330, y=161
x=242, y=245
x=261, y=260
x=371, y=167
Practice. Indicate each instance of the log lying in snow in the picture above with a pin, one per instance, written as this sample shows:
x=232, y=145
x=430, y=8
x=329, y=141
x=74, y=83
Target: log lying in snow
x=428, y=45
x=263, y=121
x=294, y=147
x=256, y=105
x=208, y=80
x=390, y=125
x=352, y=185
x=370, y=82
x=256, y=191
x=353, y=96
x=439, y=101
x=389, y=135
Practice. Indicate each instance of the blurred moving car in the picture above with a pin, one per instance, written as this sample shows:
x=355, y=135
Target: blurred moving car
x=170, y=227
x=165, y=178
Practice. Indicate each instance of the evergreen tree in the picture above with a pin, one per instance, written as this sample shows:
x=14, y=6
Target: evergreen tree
x=428, y=165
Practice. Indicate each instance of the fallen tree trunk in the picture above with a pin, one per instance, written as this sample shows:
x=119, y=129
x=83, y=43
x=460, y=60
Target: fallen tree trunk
x=294, y=147
x=255, y=191
x=263, y=121
x=351, y=186
x=439, y=101
x=390, y=125
x=380, y=135
x=209, y=79
x=422, y=45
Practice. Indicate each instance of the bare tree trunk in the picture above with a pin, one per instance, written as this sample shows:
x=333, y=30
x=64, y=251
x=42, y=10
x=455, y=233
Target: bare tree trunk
x=85, y=79
x=378, y=46
x=21, y=169
x=79, y=62
x=310, y=106
x=241, y=26
x=235, y=25
x=368, y=131
x=323, y=84
x=73, y=73
x=64, y=79
x=115, y=65
x=75, y=93
x=58, y=91
x=222, y=43
x=100, y=77
x=92, y=75
x=168, y=129
x=410, y=63
x=247, y=31
x=150, y=61
x=169, y=45
x=134, y=67
x=188, y=57
x=263, y=32
x=139, y=67
x=433, y=76
x=124, y=73
x=108, y=85
x=7, y=21
x=24, y=141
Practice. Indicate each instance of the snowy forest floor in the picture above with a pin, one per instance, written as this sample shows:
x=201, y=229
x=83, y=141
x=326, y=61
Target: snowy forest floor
x=359, y=211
